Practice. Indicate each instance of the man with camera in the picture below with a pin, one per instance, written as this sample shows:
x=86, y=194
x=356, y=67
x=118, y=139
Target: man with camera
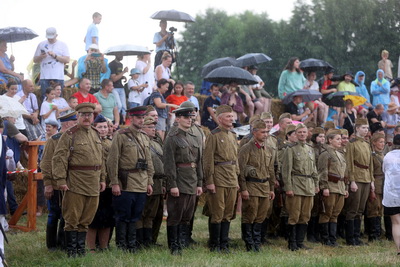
x=130, y=169
x=164, y=41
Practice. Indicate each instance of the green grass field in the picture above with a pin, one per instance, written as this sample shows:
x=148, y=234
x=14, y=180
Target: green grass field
x=29, y=249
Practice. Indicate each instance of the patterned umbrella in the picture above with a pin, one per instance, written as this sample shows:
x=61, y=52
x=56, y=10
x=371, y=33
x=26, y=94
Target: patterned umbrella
x=16, y=34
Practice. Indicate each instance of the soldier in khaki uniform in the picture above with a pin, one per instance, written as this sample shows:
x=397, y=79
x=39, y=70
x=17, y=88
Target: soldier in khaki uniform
x=55, y=223
x=332, y=183
x=80, y=172
x=130, y=168
x=360, y=172
x=300, y=178
x=248, y=137
x=342, y=216
x=182, y=155
x=317, y=140
x=257, y=181
x=144, y=227
x=374, y=204
x=221, y=170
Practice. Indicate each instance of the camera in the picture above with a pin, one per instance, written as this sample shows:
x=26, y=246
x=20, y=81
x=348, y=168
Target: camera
x=172, y=29
x=141, y=164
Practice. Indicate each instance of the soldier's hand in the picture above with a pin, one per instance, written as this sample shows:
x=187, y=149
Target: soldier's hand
x=316, y=190
x=48, y=191
x=149, y=190
x=271, y=195
x=245, y=195
x=199, y=191
x=102, y=186
x=290, y=193
x=325, y=192
x=353, y=187
x=211, y=188
x=277, y=184
x=174, y=192
x=116, y=190
x=63, y=187
x=346, y=194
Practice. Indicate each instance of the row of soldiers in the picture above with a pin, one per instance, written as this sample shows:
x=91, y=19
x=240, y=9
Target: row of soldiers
x=137, y=168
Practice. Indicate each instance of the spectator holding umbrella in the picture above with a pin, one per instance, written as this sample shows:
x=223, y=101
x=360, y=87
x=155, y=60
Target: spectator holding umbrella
x=380, y=89
x=7, y=65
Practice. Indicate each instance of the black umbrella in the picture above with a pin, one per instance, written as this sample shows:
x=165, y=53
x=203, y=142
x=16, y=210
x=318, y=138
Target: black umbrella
x=216, y=63
x=308, y=95
x=226, y=75
x=252, y=59
x=16, y=34
x=172, y=15
x=338, y=99
x=312, y=64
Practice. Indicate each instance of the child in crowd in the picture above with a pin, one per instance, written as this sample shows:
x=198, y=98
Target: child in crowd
x=49, y=110
x=177, y=97
x=73, y=102
x=59, y=101
x=134, y=99
x=386, y=65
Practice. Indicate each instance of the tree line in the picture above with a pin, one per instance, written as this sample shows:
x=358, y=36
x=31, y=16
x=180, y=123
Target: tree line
x=348, y=34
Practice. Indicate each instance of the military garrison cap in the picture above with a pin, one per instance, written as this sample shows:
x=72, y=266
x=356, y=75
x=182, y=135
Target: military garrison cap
x=259, y=124
x=318, y=130
x=254, y=118
x=149, y=120
x=361, y=121
x=344, y=132
x=300, y=126
x=334, y=132
x=329, y=125
x=311, y=124
x=285, y=116
x=223, y=109
x=266, y=115
x=85, y=107
x=290, y=128
x=150, y=108
x=377, y=136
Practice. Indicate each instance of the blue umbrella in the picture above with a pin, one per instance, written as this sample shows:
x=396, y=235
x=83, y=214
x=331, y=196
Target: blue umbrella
x=16, y=34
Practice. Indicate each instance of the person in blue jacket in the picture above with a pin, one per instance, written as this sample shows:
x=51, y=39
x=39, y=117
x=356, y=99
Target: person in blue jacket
x=362, y=90
x=380, y=90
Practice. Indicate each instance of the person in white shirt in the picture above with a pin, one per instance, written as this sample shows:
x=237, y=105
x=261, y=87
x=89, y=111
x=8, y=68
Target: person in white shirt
x=322, y=109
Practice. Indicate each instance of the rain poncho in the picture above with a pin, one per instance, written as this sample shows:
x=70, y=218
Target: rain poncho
x=380, y=93
x=361, y=88
x=391, y=169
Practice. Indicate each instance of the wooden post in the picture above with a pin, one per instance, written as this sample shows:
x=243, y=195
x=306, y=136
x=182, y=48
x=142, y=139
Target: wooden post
x=29, y=202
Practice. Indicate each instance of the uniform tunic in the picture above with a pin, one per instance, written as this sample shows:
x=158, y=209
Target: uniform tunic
x=374, y=207
x=332, y=161
x=256, y=162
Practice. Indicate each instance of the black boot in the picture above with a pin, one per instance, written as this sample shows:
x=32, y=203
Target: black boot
x=81, y=241
x=301, y=230
x=131, y=237
x=215, y=234
x=292, y=245
x=71, y=239
x=264, y=232
x=257, y=236
x=173, y=240
x=378, y=227
x=341, y=227
x=51, y=236
x=139, y=238
x=121, y=234
x=183, y=235
x=357, y=231
x=311, y=230
x=61, y=235
x=372, y=235
x=388, y=228
x=332, y=234
x=324, y=227
x=350, y=233
x=147, y=237
x=284, y=227
x=190, y=240
x=224, y=238
x=247, y=236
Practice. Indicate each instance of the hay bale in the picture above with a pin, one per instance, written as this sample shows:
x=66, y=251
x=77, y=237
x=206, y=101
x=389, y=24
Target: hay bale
x=277, y=108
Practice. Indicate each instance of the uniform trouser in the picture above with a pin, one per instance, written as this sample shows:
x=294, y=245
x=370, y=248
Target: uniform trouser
x=355, y=203
x=54, y=207
x=315, y=211
x=333, y=206
x=255, y=209
x=299, y=209
x=375, y=207
x=222, y=204
x=78, y=211
x=149, y=212
x=180, y=209
x=128, y=206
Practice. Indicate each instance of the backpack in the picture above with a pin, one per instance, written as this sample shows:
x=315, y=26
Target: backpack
x=148, y=100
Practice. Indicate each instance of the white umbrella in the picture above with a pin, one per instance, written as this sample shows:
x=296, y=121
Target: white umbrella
x=127, y=50
x=10, y=107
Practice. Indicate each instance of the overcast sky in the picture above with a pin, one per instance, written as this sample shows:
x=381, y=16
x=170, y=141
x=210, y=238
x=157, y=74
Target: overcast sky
x=127, y=22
